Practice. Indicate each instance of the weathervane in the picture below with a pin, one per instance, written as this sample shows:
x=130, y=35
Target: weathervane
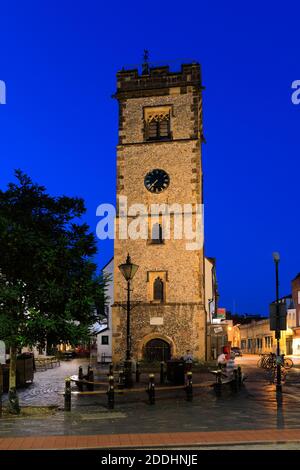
x=145, y=65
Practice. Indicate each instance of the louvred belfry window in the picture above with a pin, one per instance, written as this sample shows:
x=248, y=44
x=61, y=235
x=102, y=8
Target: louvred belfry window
x=157, y=123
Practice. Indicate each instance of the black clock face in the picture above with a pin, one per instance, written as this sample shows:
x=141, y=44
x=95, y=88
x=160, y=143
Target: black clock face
x=156, y=181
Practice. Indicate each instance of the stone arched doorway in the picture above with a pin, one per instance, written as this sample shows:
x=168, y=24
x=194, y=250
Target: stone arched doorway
x=157, y=350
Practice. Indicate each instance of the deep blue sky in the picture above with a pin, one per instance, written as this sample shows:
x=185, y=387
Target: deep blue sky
x=59, y=60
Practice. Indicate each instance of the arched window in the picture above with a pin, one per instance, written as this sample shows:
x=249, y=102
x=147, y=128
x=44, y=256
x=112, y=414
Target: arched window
x=157, y=236
x=158, y=289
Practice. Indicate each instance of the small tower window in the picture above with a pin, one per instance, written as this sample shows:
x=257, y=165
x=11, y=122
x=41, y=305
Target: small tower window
x=157, y=124
x=157, y=235
x=158, y=289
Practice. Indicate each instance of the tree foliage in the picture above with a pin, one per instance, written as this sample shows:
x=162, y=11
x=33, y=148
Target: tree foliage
x=49, y=288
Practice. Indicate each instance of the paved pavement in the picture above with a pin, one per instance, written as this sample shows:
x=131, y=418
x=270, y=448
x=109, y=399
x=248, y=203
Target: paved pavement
x=254, y=409
x=185, y=440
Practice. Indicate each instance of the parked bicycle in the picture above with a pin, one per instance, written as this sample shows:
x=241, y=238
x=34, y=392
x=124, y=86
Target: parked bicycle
x=288, y=363
x=268, y=361
x=283, y=374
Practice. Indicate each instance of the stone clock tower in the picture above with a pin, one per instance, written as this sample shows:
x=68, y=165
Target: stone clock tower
x=159, y=163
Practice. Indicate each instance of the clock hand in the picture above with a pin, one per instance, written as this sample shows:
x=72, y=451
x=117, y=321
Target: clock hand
x=153, y=184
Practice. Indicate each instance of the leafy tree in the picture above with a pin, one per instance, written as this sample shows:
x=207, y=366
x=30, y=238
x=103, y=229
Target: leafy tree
x=49, y=288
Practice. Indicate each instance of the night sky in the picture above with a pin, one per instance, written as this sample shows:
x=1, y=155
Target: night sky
x=59, y=60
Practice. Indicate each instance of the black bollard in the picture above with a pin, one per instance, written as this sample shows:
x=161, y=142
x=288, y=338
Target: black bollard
x=189, y=386
x=128, y=380
x=90, y=377
x=151, y=389
x=80, y=377
x=67, y=394
x=111, y=369
x=239, y=373
x=234, y=383
x=162, y=373
x=111, y=392
x=218, y=385
x=137, y=373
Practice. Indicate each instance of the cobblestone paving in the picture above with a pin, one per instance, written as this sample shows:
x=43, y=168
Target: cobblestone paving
x=254, y=407
x=48, y=386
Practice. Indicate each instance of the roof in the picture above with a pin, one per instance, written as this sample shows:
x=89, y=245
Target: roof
x=105, y=266
x=104, y=328
x=101, y=327
x=283, y=299
x=253, y=323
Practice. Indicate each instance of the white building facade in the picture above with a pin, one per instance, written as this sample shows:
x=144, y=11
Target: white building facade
x=104, y=337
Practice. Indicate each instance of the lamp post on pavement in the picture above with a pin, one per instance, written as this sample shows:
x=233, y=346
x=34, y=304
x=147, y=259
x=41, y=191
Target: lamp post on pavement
x=128, y=270
x=276, y=258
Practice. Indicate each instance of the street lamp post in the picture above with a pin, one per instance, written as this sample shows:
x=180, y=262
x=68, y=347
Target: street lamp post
x=276, y=258
x=128, y=270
